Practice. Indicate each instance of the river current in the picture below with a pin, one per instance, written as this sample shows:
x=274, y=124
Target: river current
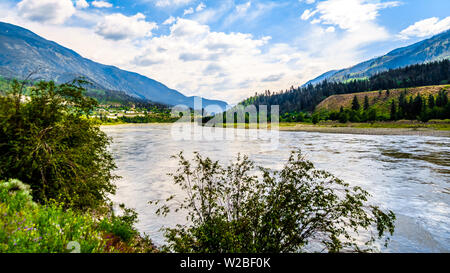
x=408, y=174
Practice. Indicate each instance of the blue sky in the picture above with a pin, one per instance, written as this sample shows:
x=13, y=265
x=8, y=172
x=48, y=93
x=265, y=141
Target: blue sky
x=230, y=49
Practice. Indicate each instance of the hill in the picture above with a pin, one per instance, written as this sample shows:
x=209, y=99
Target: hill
x=378, y=99
x=22, y=51
x=434, y=49
x=305, y=99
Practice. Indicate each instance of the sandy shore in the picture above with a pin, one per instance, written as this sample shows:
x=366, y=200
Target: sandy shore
x=366, y=131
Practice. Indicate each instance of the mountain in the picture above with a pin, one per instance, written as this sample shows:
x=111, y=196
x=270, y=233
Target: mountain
x=22, y=51
x=434, y=49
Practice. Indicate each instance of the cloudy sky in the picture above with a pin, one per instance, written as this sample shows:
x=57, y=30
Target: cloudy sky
x=230, y=49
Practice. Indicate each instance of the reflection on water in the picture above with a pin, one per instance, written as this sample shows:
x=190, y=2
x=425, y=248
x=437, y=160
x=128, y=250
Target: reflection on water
x=407, y=174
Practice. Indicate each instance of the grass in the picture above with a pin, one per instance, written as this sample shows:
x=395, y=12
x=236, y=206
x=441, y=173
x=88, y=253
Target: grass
x=28, y=227
x=402, y=124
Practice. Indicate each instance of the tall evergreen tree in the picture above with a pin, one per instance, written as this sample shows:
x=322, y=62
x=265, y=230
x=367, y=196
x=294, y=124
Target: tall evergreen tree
x=366, y=103
x=355, y=104
x=417, y=105
x=431, y=101
x=393, y=110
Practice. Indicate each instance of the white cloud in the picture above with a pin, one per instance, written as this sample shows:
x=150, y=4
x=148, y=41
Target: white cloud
x=348, y=14
x=330, y=29
x=169, y=3
x=81, y=4
x=48, y=11
x=200, y=7
x=214, y=64
x=308, y=14
x=356, y=19
x=426, y=27
x=307, y=1
x=101, y=4
x=218, y=65
x=119, y=27
x=188, y=11
x=169, y=21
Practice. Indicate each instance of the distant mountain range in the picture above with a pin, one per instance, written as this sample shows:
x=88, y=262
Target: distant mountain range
x=22, y=51
x=434, y=49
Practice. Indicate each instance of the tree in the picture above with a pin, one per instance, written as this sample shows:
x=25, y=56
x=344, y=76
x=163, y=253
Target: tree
x=355, y=104
x=343, y=117
x=48, y=143
x=233, y=210
x=393, y=113
x=366, y=103
x=315, y=118
x=372, y=116
x=417, y=106
x=431, y=102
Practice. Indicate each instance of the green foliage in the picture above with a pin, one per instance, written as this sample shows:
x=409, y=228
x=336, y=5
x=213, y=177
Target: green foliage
x=158, y=118
x=121, y=226
x=315, y=119
x=295, y=117
x=47, y=142
x=393, y=113
x=411, y=108
x=355, y=104
x=27, y=227
x=121, y=99
x=243, y=209
x=366, y=103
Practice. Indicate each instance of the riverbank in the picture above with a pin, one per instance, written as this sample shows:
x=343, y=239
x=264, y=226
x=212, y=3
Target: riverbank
x=433, y=128
x=363, y=129
x=438, y=128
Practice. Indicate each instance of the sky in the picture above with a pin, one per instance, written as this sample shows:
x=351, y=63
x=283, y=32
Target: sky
x=230, y=49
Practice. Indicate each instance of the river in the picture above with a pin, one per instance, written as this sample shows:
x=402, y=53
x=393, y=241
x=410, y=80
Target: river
x=408, y=174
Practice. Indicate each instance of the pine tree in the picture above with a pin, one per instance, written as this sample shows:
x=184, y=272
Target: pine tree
x=355, y=104
x=366, y=103
x=417, y=105
x=431, y=101
x=393, y=110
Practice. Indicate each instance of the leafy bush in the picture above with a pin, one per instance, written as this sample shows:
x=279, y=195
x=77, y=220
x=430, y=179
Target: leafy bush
x=121, y=226
x=27, y=227
x=47, y=142
x=237, y=209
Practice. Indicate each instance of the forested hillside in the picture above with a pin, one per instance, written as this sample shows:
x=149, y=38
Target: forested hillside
x=306, y=98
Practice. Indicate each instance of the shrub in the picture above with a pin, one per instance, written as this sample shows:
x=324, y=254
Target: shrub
x=237, y=209
x=47, y=142
x=315, y=119
x=121, y=226
x=27, y=227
